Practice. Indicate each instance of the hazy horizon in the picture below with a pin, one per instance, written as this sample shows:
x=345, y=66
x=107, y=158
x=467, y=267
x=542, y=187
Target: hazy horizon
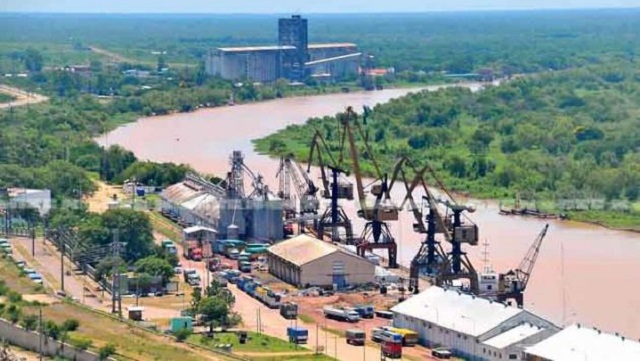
x=260, y=7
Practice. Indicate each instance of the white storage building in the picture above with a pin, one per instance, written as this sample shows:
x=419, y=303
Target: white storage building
x=471, y=327
x=306, y=261
x=39, y=199
x=577, y=343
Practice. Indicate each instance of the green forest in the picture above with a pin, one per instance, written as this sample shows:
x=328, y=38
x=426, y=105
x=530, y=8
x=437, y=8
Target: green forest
x=559, y=136
x=460, y=42
x=536, y=135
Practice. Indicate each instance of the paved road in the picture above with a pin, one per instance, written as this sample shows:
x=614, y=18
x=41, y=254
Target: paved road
x=47, y=263
x=275, y=325
x=22, y=97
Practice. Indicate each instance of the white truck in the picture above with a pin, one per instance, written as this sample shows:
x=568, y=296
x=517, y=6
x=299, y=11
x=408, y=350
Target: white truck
x=341, y=314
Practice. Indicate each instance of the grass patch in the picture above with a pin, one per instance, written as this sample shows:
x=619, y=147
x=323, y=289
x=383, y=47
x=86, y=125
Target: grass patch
x=6, y=98
x=306, y=318
x=611, y=219
x=13, y=278
x=255, y=343
x=165, y=226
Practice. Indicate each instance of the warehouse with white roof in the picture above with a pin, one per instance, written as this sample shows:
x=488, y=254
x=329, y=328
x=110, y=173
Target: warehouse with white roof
x=471, y=327
x=306, y=261
x=577, y=343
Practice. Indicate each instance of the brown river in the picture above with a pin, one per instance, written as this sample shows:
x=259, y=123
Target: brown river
x=584, y=273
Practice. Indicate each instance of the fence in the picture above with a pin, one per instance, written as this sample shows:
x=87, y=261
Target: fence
x=33, y=341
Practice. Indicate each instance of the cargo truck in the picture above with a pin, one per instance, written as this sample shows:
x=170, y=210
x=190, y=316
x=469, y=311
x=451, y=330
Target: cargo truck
x=356, y=337
x=391, y=344
x=409, y=337
x=289, y=310
x=192, y=250
x=365, y=311
x=341, y=314
x=244, y=266
x=268, y=297
x=297, y=334
x=169, y=246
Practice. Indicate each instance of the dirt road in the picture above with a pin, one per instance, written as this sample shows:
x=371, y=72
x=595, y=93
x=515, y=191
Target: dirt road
x=47, y=263
x=98, y=202
x=22, y=97
x=114, y=57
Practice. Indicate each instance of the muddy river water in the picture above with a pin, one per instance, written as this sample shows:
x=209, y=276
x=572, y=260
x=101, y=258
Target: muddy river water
x=585, y=273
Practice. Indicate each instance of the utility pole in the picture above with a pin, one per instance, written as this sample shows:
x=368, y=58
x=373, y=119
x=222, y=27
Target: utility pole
x=33, y=241
x=133, y=193
x=115, y=285
x=61, y=244
x=317, y=334
x=40, y=332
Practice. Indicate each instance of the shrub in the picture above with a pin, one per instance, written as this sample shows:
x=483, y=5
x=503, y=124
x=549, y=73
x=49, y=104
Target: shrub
x=29, y=322
x=70, y=325
x=51, y=329
x=81, y=343
x=182, y=334
x=107, y=350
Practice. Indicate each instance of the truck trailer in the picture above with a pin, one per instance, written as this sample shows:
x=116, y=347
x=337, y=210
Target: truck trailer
x=297, y=334
x=289, y=310
x=341, y=314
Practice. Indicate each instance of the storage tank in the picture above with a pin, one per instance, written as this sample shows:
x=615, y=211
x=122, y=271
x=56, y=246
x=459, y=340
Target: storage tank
x=265, y=220
x=233, y=232
x=231, y=213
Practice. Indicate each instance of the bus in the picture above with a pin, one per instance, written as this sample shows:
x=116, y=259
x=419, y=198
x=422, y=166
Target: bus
x=409, y=337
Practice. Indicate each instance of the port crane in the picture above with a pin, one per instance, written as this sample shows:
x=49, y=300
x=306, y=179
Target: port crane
x=334, y=217
x=431, y=259
x=512, y=284
x=376, y=233
x=291, y=175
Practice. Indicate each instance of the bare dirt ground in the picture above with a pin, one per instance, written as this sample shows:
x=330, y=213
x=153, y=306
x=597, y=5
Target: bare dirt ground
x=99, y=201
x=113, y=57
x=22, y=97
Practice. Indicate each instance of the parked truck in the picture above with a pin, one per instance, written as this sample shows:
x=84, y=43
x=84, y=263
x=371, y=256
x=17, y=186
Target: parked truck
x=391, y=344
x=289, y=310
x=341, y=314
x=268, y=297
x=192, y=250
x=244, y=266
x=297, y=334
x=409, y=337
x=169, y=246
x=356, y=337
x=191, y=277
x=365, y=311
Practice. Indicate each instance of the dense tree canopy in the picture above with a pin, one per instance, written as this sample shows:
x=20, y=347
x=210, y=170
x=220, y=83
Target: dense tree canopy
x=565, y=134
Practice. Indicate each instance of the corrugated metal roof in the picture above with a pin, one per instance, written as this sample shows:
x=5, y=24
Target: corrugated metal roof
x=456, y=311
x=513, y=335
x=302, y=249
x=580, y=343
x=179, y=193
x=257, y=48
x=206, y=205
x=332, y=45
x=197, y=229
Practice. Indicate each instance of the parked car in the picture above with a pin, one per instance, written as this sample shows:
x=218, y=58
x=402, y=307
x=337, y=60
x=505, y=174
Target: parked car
x=441, y=352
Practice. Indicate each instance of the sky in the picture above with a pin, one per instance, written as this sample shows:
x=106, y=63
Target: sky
x=296, y=6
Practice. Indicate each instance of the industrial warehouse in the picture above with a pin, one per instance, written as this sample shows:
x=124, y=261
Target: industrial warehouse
x=293, y=58
x=303, y=261
x=476, y=328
